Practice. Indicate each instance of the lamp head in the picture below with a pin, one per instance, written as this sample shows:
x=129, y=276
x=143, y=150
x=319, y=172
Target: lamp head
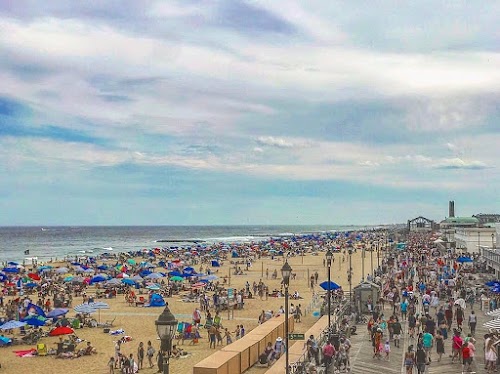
x=286, y=270
x=166, y=325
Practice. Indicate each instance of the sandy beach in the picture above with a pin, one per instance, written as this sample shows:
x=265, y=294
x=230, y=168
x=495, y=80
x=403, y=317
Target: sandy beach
x=138, y=322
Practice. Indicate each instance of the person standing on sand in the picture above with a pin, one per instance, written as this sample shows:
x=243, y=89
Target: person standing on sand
x=140, y=355
x=150, y=352
x=118, y=354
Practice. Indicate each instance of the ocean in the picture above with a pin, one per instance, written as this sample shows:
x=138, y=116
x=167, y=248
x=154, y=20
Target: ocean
x=47, y=243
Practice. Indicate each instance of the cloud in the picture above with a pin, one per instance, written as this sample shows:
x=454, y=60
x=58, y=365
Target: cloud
x=458, y=163
x=272, y=141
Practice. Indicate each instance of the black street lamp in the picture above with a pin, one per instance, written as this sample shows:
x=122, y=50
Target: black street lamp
x=349, y=277
x=329, y=258
x=286, y=270
x=378, y=256
x=166, y=326
x=371, y=259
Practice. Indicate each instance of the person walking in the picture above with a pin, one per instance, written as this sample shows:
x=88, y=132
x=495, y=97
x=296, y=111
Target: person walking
x=421, y=359
x=150, y=352
x=472, y=323
x=439, y=345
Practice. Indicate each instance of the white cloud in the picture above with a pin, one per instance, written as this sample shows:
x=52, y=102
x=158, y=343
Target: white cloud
x=458, y=163
x=277, y=142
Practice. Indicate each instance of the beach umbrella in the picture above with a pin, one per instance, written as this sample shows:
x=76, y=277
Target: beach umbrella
x=137, y=278
x=153, y=276
x=176, y=279
x=62, y=330
x=78, y=269
x=34, y=276
x=98, y=306
x=11, y=270
x=62, y=270
x=98, y=278
x=329, y=286
x=145, y=272
x=12, y=325
x=494, y=313
x=30, y=285
x=131, y=261
x=123, y=275
x=54, y=313
x=12, y=263
x=153, y=287
x=84, y=308
x=36, y=321
x=3, y=277
x=198, y=285
x=494, y=324
x=68, y=279
x=463, y=259
x=128, y=281
x=211, y=277
x=103, y=267
x=89, y=270
x=175, y=273
x=113, y=282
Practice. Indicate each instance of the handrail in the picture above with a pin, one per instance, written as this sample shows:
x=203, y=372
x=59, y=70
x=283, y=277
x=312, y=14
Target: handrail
x=298, y=367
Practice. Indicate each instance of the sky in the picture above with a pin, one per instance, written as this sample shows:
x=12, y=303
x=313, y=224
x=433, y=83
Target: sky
x=224, y=112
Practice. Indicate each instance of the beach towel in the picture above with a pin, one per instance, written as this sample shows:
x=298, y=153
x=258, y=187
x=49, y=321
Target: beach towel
x=25, y=353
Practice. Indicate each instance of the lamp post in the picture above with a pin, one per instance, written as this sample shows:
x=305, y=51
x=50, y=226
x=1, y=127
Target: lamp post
x=166, y=326
x=349, y=277
x=363, y=264
x=329, y=257
x=492, y=240
x=378, y=255
x=286, y=270
x=371, y=259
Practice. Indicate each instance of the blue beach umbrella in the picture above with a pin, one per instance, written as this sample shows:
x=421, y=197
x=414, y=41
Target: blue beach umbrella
x=10, y=270
x=128, y=281
x=12, y=325
x=329, y=286
x=54, y=313
x=30, y=285
x=210, y=277
x=464, y=259
x=98, y=278
x=36, y=321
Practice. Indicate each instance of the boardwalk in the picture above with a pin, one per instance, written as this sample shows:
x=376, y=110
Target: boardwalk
x=363, y=362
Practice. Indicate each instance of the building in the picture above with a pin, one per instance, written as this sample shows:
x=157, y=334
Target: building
x=421, y=224
x=473, y=239
x=450, y=224
x=487, y=218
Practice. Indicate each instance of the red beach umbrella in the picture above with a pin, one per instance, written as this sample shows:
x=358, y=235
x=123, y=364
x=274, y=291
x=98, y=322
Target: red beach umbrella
x=62, y=330
x=34, y=276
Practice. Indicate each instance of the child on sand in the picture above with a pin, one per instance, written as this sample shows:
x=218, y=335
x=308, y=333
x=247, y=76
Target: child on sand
x=111, y=365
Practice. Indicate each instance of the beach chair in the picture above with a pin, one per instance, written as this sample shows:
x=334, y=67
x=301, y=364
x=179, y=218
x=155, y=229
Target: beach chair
x=108, y=323
x=41, y=349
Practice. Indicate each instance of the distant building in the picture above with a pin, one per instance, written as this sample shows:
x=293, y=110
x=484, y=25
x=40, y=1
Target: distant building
x=450, y=224
x=421, y=224
x=473, y=239
x=487, y=218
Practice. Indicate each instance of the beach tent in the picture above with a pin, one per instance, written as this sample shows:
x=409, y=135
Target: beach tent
x=215, y=264
x=35, y=310
x=235, y=254
x=156, y=301
x=4, y=341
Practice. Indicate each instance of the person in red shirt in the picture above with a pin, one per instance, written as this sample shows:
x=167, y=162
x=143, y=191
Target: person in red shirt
x=466, y=357
x=328, y=353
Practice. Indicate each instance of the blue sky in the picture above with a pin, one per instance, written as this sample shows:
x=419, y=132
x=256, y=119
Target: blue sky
x=247, y=112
